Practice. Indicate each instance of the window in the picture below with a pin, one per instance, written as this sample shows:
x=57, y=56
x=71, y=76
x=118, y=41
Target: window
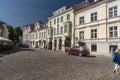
x=51, y=32
x=65, y=29
x=81, y=20
x=62, y=19
x=112, y=48
x=54, y=31
x=57, y=29
x=1, y=34
x=94, y=17
x=113, y=31
x=94, y=47
x=61, y=30
x=94, y=33
x=48, y=32
x=44, y=34
x=68, y=16
x=57, y=20
x=81, y=34
x=113, y=12
x=54, y=21
x=50, y=23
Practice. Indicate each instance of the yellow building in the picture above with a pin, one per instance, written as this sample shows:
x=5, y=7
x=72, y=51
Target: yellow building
x=60, y=28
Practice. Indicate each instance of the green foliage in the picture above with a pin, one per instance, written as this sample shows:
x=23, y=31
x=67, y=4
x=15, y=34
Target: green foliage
x=14, y=33
x=11, y=32
x=17, y=32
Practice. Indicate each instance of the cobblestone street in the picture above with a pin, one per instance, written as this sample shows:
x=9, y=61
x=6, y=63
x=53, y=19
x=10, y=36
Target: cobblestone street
x=40, y=64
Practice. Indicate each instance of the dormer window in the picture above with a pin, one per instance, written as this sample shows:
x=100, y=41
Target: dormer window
x=68, y=16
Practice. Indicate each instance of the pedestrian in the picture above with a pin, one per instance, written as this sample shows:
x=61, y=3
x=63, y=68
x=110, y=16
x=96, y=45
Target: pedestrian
x=46, y=47
x=54, y=48
x=116, y=61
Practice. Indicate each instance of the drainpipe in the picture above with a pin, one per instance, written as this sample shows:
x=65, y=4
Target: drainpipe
x=74, y=29
x=106, y=23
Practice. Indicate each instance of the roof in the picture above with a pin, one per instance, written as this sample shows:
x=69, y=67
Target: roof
x=1, y=22
x=83, y=5
x=32, y=26
x=80, y=6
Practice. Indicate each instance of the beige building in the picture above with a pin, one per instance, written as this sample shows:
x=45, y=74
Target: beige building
x=3, y=30
x=60, y=28
x=98, y=25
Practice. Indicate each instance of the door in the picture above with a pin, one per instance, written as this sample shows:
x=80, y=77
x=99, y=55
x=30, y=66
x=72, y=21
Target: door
x=60, y=44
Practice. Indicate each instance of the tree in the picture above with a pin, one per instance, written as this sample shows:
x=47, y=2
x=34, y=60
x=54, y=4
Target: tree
x=17, y=32
x=11, y=32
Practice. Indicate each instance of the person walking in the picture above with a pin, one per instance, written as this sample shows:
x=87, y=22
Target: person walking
x=54, y=48
x=116, y=61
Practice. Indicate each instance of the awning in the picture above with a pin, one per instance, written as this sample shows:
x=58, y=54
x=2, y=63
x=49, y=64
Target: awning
x=5, y=39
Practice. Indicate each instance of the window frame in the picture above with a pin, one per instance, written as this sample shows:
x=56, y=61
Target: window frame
x=113, y=12
x=65, y=29
x=81, y=20
x=93, y=33
x=113, y=32
x=94, y=17
x=68, y=16
x=81, y=35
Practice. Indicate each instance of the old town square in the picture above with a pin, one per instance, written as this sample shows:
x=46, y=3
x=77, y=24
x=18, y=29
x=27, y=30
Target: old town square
x=41, y=64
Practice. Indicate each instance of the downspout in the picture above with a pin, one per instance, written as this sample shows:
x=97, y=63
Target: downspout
x=74, y=29
x=106, y=24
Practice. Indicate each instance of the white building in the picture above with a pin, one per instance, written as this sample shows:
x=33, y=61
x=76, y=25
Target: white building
x=38, y=35
x=98, y=25
x=60, y=28
x=26, y=34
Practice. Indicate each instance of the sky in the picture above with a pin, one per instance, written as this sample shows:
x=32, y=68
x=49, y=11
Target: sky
x=22, y=12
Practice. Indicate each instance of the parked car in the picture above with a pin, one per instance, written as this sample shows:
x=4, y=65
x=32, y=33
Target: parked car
x=76, y=50
x=23, y=45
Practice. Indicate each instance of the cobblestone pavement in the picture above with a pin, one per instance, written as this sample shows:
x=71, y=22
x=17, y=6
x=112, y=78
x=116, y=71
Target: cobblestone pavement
x=40, y=64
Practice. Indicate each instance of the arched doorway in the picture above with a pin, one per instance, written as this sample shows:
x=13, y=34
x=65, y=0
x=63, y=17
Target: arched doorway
x=68, y=42
x=50, y=45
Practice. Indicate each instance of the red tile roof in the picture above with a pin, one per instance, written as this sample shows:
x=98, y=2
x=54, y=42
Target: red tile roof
x=32, y=26
x=82, y=5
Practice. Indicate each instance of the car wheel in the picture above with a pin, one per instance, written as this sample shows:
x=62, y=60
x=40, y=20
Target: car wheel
x=80, y=54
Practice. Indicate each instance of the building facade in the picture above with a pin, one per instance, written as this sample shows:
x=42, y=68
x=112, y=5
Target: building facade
x=98, y=25
x=38, y=35
x=3, y=30
x=26, y=33
x=60, y=28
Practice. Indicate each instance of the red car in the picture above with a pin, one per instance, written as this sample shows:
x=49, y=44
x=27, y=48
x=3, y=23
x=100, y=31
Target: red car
x=76, y=50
